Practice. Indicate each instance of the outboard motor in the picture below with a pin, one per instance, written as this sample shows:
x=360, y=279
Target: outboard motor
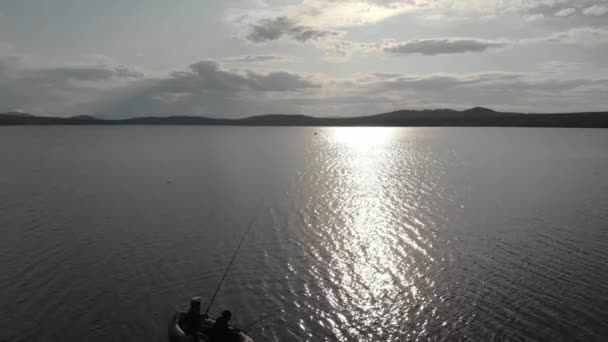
x=195, y=306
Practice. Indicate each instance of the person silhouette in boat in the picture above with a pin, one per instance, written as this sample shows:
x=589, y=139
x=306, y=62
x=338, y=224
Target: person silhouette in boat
x=220, y=326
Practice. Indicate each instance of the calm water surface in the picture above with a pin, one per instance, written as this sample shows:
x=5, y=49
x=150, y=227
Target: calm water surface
x=360, y=234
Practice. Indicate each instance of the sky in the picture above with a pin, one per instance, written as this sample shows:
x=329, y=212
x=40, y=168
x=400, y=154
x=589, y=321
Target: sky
x=236, y=58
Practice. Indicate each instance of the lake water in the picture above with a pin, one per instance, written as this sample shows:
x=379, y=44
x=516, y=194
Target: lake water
x=359, y=234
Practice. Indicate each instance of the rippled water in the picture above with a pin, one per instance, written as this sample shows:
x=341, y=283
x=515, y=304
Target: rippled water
x=360, y=234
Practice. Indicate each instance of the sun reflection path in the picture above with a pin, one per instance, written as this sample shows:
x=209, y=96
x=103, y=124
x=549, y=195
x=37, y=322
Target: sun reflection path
x=362, y=138
x=378, y=248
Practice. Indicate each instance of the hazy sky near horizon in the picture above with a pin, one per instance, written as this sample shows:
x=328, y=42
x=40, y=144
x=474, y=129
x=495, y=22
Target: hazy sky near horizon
x=234, y=58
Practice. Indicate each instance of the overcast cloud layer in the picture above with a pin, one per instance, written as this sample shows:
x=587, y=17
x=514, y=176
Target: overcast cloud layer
x=333, y=57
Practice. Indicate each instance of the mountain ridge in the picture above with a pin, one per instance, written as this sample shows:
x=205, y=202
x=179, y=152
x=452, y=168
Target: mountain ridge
x=477, y=116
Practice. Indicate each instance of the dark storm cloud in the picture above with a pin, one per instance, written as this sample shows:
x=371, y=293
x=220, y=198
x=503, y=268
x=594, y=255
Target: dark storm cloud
x=440, y=46
x=273, y=29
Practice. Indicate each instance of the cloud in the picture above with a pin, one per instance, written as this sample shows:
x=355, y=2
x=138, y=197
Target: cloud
x=8, y=63
x=88, y=74
x=341, y=14
x=565, y=12
x=547, y=7
x=340, y=50
x=207, y=76
x=269, y=29
x=436, y=82
x=8, y=59
x=5, y=47
x=330, y=41
x=325, y=23
x=273, y=29
x=597, y=10
x=327, y=14
x=278, y=81
x=54, y=89
x=251, y=80
x=377, y=92
x=306, y=33
x=583, y=36
x=206, y=89
x=534, y=17
x=500, y=90
x=90, y=89
x=438, y=46
x=252, y=59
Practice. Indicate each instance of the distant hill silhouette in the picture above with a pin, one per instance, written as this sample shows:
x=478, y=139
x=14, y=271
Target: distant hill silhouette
x=18, y=114
x=477, y=116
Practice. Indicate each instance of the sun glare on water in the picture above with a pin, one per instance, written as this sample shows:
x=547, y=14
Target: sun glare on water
x=369, y=252
x=362, y=138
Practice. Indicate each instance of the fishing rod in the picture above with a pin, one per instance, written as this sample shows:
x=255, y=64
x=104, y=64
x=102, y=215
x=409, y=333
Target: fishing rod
x=229, y=265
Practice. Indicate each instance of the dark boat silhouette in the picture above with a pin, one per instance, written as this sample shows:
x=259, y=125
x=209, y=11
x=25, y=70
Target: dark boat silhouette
x=191, y=326
x=181, y=328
